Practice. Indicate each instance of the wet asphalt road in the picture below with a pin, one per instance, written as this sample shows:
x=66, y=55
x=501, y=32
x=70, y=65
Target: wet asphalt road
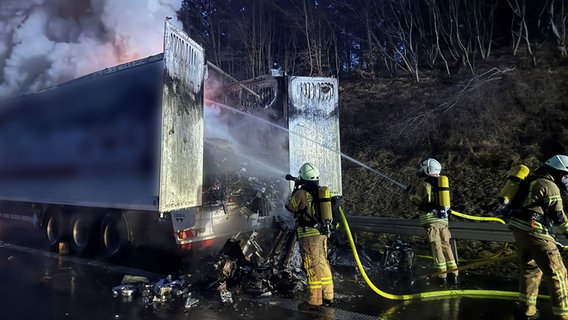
x=39, y=284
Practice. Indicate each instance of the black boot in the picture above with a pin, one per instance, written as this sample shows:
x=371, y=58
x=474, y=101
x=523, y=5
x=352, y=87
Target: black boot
x=453, y=279
x=442, y=282
x=305, y=306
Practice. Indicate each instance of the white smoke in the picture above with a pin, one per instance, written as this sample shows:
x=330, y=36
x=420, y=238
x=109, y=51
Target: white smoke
x=46, y=42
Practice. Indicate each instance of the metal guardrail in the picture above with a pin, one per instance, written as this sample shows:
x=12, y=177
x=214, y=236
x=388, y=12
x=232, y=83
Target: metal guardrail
x=483, y=231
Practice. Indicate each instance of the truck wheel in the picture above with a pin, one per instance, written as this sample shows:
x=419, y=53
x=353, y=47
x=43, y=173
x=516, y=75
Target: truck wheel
x=83, y=234
x=54, y=229
x=114, y=234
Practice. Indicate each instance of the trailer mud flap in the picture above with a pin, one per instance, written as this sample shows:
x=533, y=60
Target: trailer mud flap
x=314, y=127
x=181, y=165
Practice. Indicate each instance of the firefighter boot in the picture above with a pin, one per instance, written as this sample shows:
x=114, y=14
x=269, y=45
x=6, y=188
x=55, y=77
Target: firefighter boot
x=531, y=312
x=442, y=282
x=307, y=307
x=327, y=302
x=453, y=280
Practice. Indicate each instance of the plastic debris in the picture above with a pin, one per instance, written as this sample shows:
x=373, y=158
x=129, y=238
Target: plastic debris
x=226, y=295
x=190, y=301
x=129, y=286
x=125, y=290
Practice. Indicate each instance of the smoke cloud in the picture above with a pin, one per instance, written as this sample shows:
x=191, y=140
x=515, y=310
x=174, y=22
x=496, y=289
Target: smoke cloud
x=46, y=42
x=247, y=136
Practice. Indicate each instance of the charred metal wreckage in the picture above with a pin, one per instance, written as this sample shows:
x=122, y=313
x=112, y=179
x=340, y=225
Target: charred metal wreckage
x=257, y=263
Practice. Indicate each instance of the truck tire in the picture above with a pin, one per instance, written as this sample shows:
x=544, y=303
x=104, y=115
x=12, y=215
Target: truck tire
x=83, y=233
x=55, y=229
x=114, y=234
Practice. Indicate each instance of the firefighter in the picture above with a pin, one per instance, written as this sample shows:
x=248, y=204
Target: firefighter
x=541, y=207
x=434, y=218
x=313, y=244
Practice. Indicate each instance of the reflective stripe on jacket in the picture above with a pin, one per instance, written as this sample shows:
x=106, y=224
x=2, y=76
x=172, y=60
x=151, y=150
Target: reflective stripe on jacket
x=544, y=201
x=300, y=203
x=422, y=195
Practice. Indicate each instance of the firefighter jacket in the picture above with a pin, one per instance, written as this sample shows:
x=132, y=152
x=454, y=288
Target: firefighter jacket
x=301, y=204
x=541, y=208
x=423, y=195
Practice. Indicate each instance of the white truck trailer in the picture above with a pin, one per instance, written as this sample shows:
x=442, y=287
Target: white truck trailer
x=126, y=156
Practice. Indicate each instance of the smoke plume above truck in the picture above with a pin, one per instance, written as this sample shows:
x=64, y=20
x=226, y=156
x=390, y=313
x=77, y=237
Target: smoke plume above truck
x=47, y=42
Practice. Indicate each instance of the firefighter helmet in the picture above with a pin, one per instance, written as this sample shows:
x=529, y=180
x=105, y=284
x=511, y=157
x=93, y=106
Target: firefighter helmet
x=558, y=162
x=309, y=172
x=431, y=167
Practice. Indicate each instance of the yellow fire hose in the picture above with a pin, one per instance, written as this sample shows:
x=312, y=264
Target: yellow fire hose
x=478, y=263
x=476, y=218
x=488, y=294
x=561, y=247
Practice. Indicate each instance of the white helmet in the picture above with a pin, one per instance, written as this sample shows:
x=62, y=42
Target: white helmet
x=309, y=172
x=558, y=162
x=431, y=167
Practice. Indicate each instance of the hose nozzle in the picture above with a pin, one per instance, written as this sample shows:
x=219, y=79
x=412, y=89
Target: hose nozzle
x=296, y=180
x=290, y=177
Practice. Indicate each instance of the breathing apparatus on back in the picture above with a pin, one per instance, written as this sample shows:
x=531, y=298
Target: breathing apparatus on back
x=431, y=168
x=516, y=187
x=443, y=195
x=510, y=190
x=321, y=195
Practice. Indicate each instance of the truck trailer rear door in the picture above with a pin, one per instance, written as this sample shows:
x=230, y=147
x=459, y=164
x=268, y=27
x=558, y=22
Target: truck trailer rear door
x=181, y=156
x=314, y=128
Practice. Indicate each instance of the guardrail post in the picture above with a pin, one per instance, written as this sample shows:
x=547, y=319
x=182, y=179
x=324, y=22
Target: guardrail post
x=454, y=245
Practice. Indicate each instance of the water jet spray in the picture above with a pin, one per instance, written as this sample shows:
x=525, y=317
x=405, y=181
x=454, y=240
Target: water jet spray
x=357, y=162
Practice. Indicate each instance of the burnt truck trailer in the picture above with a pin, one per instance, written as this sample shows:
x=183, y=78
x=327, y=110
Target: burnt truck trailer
x=128, y=156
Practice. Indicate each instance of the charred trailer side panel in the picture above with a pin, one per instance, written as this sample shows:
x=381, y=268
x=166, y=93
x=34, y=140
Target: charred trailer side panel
x=72, y=144
x=105, y=156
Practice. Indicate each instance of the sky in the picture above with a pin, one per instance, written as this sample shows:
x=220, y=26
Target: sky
x=46, y=42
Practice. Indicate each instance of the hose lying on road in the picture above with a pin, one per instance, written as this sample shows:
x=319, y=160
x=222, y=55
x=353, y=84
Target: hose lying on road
x=440, y=294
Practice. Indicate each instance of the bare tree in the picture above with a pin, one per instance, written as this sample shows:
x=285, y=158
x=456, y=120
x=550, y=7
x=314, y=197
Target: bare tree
x=370, y=37
x=254, y=31
x=483, y=15
x=469, y=29
x=417, y=123
x=206, y=24
x=558, y=20
x=519, y=27
x=437, y=25
x=308, y=20
x=406, y=20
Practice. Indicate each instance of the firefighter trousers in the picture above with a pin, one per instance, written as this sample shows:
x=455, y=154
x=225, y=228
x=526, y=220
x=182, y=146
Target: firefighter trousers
x=439, y=237
x=540, y=258
x=313, y=250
